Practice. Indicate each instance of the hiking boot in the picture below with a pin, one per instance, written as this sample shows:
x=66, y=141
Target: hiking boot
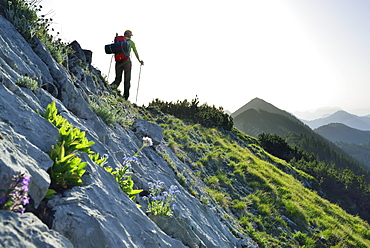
x=113, y=86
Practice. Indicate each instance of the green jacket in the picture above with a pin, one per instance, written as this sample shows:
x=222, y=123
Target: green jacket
x=132, y=46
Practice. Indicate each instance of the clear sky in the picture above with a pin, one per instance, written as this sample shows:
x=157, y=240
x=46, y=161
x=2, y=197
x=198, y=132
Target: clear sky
x=299, y=55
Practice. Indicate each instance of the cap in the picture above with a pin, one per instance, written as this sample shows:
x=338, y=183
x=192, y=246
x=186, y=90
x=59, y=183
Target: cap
x=128, y=32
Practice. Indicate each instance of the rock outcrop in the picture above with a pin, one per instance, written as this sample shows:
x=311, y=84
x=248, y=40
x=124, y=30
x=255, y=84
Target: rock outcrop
x=98, y=213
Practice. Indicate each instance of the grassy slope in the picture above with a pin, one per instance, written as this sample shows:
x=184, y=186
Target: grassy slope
x=264, y=195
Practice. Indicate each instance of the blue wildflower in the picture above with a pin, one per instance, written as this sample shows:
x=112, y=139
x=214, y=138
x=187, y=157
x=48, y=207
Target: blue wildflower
x=174, y=187
x=128, y=160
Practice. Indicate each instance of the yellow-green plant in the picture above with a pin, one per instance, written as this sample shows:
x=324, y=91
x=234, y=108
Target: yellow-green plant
x=124, y=181
x=51, y=114
x=71, y=138
x=67, y=169
x=74, y=140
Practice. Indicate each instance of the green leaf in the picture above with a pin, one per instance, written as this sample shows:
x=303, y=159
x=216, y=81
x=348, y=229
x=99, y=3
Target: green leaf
x=136, y=191
x=80, y=173
x=50, y=194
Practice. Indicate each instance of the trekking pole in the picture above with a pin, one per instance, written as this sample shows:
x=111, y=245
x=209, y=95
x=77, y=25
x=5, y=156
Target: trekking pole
x=137, y=91
x=110, y=66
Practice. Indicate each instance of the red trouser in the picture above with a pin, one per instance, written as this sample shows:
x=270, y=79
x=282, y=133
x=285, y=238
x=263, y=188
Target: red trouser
x=120, y=68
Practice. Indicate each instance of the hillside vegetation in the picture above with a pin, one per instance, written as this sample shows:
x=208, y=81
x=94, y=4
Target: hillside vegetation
x=339, y=185
x=263, y=195
x=340, y=178
x=353, y=141
x=340, y=132
x=359, y=151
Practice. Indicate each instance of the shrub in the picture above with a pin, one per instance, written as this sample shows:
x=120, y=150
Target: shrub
x=191, y=111
x=27, y=83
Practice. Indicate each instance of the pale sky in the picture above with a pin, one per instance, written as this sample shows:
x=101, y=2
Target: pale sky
x=299, y=55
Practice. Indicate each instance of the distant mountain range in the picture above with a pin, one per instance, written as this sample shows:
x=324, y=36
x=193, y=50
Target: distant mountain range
x=350, y=120
x=319, y=113
x=353, y=141
x=259, y=116
x=339, y=132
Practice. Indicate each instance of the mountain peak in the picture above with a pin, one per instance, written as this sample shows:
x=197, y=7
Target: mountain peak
x=256, y=103
x=260, y=104
x=341, y=113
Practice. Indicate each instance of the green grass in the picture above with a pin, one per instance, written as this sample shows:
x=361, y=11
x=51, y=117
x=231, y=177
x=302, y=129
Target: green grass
x=262, y=193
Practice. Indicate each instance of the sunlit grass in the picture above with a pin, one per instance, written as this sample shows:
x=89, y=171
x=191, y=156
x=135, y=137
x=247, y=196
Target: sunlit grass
x=272, y=204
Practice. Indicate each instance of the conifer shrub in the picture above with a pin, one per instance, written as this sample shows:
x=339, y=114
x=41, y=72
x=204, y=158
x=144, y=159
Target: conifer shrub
x=205, y=115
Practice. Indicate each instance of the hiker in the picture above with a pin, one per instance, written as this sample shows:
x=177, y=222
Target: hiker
x=123, y=64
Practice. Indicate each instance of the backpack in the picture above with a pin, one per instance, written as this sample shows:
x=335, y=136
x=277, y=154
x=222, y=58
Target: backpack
x=125, y=47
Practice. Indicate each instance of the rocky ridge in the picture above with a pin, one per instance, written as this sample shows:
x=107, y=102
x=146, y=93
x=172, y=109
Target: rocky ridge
x=97, y=214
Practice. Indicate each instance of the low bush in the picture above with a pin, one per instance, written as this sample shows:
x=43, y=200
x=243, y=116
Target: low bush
x=27, y=82
x=191, y=111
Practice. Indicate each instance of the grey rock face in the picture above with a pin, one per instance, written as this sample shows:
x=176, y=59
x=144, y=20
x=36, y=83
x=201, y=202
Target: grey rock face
x=18, y=154
x=97, y=214
x=18, y=231
x=147, y=129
